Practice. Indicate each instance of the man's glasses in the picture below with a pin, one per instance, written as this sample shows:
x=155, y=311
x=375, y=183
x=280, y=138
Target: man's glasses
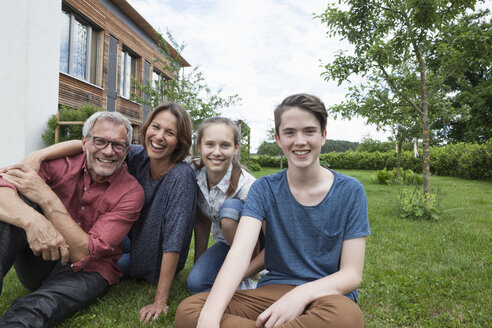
x=101, y=143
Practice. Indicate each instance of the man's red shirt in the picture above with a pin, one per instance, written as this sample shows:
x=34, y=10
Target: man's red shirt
x=104, y=210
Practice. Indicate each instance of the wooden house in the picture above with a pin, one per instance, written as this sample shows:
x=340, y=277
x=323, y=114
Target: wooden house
x=105, y=44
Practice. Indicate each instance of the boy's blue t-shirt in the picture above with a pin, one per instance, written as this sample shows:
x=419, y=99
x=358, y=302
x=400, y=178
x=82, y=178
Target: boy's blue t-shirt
x=303, y=243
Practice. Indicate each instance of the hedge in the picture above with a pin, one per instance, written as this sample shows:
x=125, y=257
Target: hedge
x=268, y=161
x=466, y=160
x=372, y=160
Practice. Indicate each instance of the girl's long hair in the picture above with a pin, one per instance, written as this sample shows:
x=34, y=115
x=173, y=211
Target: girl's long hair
x=236, y=166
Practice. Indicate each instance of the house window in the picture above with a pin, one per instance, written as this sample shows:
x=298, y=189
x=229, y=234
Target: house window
x=158, y=79
x=78, y=46
x=128, y=71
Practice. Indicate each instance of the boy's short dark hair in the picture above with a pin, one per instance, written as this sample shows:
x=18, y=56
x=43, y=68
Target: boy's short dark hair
x=302, y=101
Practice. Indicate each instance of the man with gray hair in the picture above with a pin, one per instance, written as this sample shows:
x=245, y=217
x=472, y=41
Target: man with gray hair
x=62, y=227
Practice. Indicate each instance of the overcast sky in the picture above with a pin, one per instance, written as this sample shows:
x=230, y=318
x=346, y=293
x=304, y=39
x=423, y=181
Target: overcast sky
x=262, y=50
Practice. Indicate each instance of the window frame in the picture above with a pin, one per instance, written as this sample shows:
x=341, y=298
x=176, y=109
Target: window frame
x=93, y=33
x=161, y=78
x=125, y=54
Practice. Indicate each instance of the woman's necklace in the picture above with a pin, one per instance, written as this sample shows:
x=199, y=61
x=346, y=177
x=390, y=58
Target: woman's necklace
x=162, y=172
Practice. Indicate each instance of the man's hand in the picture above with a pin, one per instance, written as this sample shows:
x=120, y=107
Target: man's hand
x=285, y=309
x=27, y=182
x=153, y=311
x=45, y=240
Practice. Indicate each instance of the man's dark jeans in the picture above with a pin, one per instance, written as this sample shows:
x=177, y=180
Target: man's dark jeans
x=56, y=290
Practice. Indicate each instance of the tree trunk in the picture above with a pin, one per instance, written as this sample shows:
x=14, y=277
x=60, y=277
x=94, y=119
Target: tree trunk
x=425, y=127
x=398, y=158
x=426, y=152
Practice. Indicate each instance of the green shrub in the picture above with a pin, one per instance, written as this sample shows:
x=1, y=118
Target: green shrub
x=324, y=164
x=384, y=176
x=414, y=205
x=269, y=161
x=68, y=132
x=371, y=160
x=410, y=177
x=254, y=166
x=466, y=160
x=407, y=177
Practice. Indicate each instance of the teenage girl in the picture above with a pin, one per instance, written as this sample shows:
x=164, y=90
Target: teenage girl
x=222, y=189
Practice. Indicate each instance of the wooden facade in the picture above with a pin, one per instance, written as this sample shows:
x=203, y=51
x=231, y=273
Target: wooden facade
x=119, y=27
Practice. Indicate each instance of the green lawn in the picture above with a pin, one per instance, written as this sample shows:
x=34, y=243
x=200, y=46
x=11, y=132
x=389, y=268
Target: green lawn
x=417, y=273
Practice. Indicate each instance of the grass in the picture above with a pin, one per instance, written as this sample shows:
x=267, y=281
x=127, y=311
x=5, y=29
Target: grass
x=417, y=273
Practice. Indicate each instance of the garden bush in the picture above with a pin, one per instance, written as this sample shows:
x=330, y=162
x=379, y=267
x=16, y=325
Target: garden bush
x=384, y=176
x=371, y=160
x=68, y=132
x=406, y=177
x=414, y=205
x=466, y=160
x=269, y=161
x=254, y=166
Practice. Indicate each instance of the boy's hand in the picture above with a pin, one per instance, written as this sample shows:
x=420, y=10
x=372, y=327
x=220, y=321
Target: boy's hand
x=285, y=309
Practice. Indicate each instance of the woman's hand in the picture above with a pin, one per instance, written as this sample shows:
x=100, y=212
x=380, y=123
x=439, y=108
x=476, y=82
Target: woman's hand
x=153, y=311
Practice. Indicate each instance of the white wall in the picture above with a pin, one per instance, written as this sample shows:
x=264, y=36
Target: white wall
x=29, y=68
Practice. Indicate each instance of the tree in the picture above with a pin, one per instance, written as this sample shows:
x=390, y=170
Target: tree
x=464, y=50
x=188, y=89
x=245, y=145
x=376, y=102
x=371, y=145
x=269, y=146
x=392, y=40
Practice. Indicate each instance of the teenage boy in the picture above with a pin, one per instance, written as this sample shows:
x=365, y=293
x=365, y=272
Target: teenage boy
x=316, y=223
x=63, y=227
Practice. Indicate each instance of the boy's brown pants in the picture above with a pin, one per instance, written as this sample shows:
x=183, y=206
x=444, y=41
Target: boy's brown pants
x=247, y=305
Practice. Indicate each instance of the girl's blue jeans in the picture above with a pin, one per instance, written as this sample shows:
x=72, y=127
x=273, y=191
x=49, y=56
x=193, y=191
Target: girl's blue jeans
x=203, y=274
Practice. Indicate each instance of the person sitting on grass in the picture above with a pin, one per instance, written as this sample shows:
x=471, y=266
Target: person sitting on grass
x=316, y=223
x=222, y=189
x=64, y=227
x=159, y=241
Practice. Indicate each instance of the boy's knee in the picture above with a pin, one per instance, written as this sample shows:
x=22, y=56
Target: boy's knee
x=340, y=311
x=188, y=311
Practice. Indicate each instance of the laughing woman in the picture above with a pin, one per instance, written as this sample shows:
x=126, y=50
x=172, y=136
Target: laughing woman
x=159, y=241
